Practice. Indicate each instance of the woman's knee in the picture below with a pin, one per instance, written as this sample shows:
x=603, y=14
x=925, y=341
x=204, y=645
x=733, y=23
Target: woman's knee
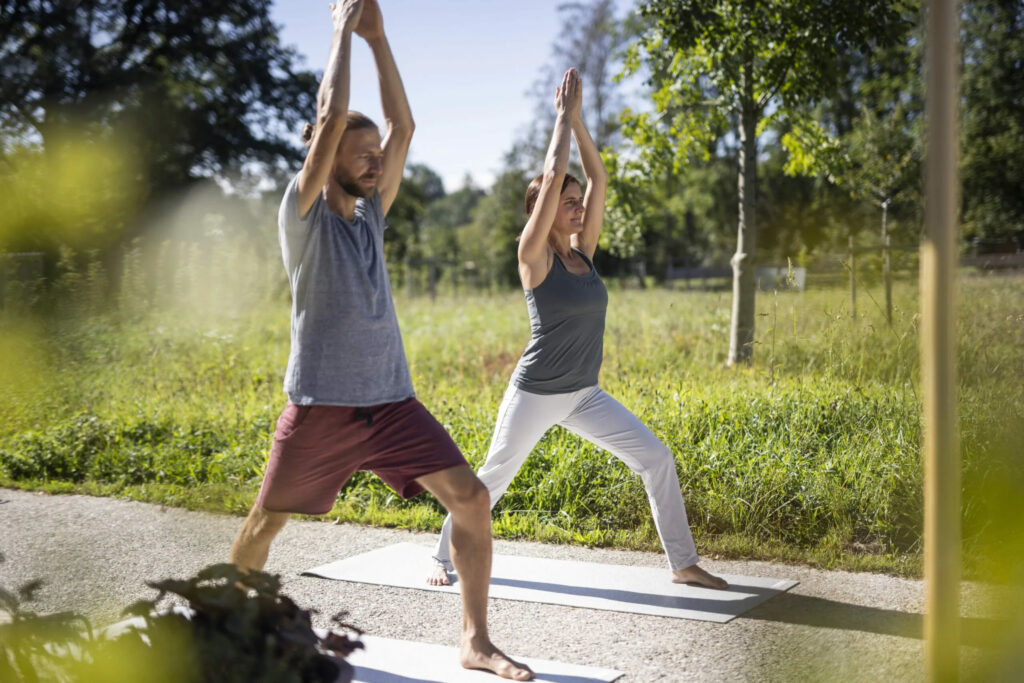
x=658, y=460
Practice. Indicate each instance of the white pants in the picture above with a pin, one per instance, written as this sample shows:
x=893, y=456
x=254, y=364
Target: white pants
x=523, y=418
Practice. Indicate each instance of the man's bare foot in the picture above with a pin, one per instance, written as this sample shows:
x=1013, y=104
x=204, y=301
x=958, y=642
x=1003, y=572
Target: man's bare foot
x=695, y=575
x=438, y=576
x=481, y=654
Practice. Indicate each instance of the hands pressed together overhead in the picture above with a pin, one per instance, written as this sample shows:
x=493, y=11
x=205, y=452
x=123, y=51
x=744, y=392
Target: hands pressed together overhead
x=569, y=95
x=360, y=16
x=346, y=14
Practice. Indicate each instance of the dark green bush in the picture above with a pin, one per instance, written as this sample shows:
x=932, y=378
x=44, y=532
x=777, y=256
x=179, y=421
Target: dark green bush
x=237, y=628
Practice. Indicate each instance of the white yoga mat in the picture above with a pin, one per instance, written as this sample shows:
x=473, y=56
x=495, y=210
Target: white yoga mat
x=642, y=590
x=385, y=660
x=403, y=661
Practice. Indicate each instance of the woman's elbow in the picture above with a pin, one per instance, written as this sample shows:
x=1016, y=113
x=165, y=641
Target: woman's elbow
x=598, y=176
x=552, y=174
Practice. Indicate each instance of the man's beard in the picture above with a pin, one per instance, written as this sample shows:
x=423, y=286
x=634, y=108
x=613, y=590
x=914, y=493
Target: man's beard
x=351, y=185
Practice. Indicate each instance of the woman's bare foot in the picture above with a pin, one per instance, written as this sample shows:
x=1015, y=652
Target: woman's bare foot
x=438, y=576
x=481, y=654
x=694, y=574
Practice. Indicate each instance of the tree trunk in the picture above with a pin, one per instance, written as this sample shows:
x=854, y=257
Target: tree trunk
x=744, y=262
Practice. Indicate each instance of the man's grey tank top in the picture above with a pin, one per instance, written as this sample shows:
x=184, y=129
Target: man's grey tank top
x=567, y=324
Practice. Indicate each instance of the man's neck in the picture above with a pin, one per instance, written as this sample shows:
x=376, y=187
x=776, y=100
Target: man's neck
x=339, y=201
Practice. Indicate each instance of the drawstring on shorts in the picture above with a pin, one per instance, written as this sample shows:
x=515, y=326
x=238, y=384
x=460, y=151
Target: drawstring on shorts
x=364, y=413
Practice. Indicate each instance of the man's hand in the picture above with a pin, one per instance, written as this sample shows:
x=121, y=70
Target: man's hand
x=569, y=96
x=371, y=24
x=346, y=14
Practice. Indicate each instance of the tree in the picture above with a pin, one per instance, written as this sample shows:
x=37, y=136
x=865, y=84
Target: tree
x=992, y=162
x=593, y=40
x=593, y=43
x=427, y=179
x=497, y=219
x=739, y=65
x=445, y=217
x=199, y=87
x=871, y=130
x=420, y=186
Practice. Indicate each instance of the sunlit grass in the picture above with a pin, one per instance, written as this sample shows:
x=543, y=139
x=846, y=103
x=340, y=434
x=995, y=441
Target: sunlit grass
x=810, y=455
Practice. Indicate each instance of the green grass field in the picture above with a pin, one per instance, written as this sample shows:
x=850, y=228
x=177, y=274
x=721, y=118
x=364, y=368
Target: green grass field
x=811, y=455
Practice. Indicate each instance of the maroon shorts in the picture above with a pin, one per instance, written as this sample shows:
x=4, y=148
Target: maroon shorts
x=317, y=448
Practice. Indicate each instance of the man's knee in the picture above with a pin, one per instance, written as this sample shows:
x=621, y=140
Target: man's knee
x=471, y=498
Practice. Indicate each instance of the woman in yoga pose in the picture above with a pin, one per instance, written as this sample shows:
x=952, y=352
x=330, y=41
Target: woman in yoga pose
x=555, y=381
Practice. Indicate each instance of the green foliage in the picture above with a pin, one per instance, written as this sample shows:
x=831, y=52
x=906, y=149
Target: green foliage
x=235, y=627
x=197, y=88
x=498, y=218
x=662, y=213
x=788, y=53
x=734, y=66
x=32, y=646
x=992, y=120
x=709, y=64
x=811, y=151
x=69, y=195
x=446, y=218
x=238, y=627
x=405, y=218
x=812, y=455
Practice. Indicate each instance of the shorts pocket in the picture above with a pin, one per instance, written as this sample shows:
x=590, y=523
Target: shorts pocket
x=291, y=419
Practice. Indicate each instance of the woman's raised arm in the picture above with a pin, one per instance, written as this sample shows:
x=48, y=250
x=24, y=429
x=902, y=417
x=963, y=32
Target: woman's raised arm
x=533, y=243
x=597, y=187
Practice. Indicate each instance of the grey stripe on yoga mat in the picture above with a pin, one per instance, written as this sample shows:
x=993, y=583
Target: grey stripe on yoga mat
x=642, y=590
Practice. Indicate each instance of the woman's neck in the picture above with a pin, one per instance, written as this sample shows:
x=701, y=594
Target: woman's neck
x=562, y=244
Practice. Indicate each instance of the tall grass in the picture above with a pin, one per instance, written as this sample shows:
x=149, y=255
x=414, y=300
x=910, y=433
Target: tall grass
x=811, y=454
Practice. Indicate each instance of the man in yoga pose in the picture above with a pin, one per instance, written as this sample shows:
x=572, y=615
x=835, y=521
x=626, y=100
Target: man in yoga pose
x=351, y=404
x=555, y=381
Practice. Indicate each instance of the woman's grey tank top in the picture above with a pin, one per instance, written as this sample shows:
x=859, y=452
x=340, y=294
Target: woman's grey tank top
x=567, y=324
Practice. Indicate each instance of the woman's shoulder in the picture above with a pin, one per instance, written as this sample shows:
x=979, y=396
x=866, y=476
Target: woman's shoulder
x=541, y=277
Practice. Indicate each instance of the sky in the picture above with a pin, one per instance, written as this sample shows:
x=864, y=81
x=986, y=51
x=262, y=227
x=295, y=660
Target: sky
x=467, y=67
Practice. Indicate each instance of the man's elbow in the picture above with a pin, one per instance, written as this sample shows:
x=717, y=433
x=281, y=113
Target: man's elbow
x=331, y=122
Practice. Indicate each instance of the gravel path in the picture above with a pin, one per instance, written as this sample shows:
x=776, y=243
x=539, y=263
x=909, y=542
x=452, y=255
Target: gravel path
x=95, y=554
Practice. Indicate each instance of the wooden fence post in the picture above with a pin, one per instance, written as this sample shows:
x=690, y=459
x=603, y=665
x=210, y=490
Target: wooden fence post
x=853, y=281
x=887, y=262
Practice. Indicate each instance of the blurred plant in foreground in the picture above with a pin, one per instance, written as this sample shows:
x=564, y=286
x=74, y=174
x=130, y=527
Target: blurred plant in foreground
x=74, y=193
x=237, y=627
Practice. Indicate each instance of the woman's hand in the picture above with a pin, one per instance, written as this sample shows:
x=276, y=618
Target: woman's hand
x=346, y=15
x=569, y=95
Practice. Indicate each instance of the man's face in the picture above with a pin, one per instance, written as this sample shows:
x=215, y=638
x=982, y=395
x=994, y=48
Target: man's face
x=357, y=164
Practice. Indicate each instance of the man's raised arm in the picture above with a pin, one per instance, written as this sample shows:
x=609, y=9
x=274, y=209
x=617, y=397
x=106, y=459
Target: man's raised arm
x=397, y=115
x=331, y=105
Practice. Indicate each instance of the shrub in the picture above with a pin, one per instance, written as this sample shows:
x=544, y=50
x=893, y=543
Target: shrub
x=238, y=627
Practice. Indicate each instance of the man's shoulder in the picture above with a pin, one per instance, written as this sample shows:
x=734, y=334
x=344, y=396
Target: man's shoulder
x=289, y=211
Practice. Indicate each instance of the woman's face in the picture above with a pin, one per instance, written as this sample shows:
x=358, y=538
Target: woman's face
x=569, y=217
